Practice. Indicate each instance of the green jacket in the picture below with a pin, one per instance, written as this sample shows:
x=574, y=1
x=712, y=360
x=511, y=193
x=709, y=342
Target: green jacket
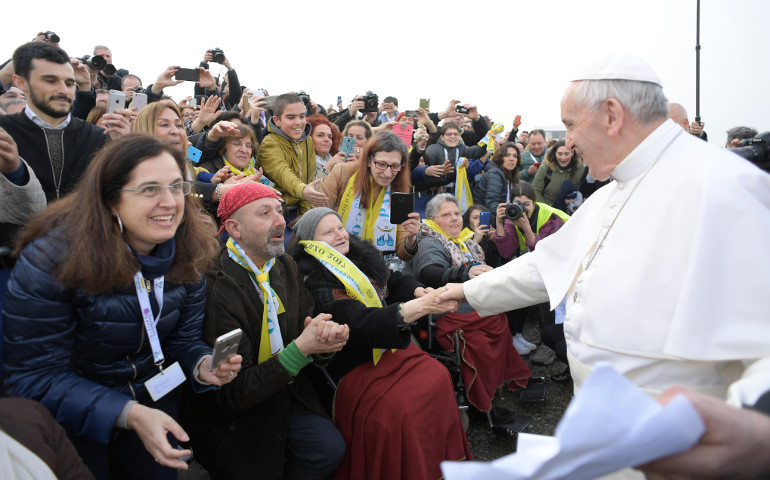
x=289, y=163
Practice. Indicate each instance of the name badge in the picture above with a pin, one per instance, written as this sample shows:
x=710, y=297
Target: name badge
x=164, y=382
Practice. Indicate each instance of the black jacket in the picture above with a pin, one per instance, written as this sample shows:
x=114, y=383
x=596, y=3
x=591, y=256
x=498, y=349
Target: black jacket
x=80, y=141
x=240, y=430
x=369, y=327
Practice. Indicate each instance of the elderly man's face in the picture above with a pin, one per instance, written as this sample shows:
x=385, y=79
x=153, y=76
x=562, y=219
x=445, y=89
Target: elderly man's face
x=536, y=144
x=585, y=136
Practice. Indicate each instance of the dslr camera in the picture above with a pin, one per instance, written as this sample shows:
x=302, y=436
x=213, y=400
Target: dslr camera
x=51, y=37
x=371, y=102
x=514, y=210
x=97, y=62
x=756, y=150
x=218, y=54
x=305, y=99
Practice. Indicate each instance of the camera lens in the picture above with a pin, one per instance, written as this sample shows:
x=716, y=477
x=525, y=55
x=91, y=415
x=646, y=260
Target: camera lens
x=514, y=211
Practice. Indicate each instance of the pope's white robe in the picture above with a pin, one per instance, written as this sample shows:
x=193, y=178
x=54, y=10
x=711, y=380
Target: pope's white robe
x=678, y=292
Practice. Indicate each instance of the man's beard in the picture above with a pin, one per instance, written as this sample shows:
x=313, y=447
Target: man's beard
x=273, y=250
x=46, y=108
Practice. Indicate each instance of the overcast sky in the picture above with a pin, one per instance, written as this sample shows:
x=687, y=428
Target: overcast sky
x=508, y=57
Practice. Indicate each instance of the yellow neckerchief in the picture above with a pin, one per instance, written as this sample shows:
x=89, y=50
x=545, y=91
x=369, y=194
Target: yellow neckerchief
x=464, y=236
x=463, y=187
x=489, y=140
x=346, y=205
x=356, y=284
x=249, y=170
x=271, y=341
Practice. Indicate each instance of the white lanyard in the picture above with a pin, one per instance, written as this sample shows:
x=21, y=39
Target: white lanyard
x=149, y=321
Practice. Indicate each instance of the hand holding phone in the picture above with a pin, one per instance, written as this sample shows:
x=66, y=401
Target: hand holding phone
x=348, y=143
x=116, y=101
x=225, y=346
x=188, y=74
x=485, y=219
x=401, y=205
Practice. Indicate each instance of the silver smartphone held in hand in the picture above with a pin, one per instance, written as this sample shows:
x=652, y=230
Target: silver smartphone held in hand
x=225, y=346
x=116, y=101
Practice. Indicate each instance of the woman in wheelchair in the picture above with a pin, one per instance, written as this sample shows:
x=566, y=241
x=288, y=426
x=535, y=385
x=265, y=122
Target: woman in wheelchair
x=448, y=253
x=394, y=404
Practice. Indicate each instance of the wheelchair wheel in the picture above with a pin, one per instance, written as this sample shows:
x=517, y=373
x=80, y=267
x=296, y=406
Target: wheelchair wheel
x=466, y=421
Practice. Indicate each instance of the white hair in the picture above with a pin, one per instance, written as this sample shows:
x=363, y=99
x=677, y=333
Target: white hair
x=644, y=100
x=433, y=206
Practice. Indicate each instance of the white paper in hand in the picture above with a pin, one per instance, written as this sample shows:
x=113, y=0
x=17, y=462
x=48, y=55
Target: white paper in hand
x=609, y=426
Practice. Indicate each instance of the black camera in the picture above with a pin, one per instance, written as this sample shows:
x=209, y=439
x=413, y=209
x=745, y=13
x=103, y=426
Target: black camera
x=218, y=54
x=97, y=62
x=138, y=89
x=461, y=109
x=756, y=150
x=305, y=99
x=51, y=36
x=514, y=210
x=371, y=102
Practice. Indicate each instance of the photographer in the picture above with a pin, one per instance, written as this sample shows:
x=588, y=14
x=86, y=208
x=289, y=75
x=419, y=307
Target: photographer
x=517, y=236
x=480, y=126
x=230, y=90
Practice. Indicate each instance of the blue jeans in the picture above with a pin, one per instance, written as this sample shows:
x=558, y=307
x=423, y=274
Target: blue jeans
x=314, y=446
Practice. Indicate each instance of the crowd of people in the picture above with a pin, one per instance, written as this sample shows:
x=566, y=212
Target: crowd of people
x=135, y=236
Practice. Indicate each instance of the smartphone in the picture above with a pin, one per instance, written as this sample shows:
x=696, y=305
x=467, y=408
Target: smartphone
x=517, y=120
x=348, y=143
x=246, y=104
x=537, y=164
x=461, y=109
x=139, y=101
x=485, y=218
x=269, y=101
x=187, y=74
x=401, y=205
x=116, y=101
x=258, y=92
x=404, y=132
x=425, y=103
x=410, y=113
x=339, y=99
x=225, y=346
x=194, y=154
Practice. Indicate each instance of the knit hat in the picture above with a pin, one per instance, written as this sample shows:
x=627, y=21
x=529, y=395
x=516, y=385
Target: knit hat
x=618, y=66
x=241, y=195
x=305, y=227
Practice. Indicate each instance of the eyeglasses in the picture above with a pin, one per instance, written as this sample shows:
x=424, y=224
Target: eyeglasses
x=382, y=166
x=154, y=190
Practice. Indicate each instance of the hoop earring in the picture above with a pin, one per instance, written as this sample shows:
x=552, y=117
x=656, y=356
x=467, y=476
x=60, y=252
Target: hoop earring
x=120, y=222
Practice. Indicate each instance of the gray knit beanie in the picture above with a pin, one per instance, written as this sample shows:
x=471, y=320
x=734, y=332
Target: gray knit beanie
x=305, y=227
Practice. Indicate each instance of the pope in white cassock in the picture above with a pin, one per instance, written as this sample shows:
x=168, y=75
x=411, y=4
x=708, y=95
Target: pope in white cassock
x=666, y=270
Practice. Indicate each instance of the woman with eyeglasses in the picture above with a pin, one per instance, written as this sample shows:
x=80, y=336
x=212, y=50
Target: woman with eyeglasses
x=103, y=315
x=361, y=192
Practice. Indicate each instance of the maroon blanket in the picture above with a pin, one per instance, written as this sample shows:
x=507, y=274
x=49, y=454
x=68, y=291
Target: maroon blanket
x=399, y=418
x=489, y=357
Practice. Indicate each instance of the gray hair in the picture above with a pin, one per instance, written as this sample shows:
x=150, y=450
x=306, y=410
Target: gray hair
x=644, y=100
x=431, y=209
x=101, y=47
x=740, y=133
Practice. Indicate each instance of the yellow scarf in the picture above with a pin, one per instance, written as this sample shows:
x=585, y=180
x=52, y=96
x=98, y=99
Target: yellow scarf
x=271, y=341
x=348, y=203
x=357, y=285
x=249, y=170
x=464, y=236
